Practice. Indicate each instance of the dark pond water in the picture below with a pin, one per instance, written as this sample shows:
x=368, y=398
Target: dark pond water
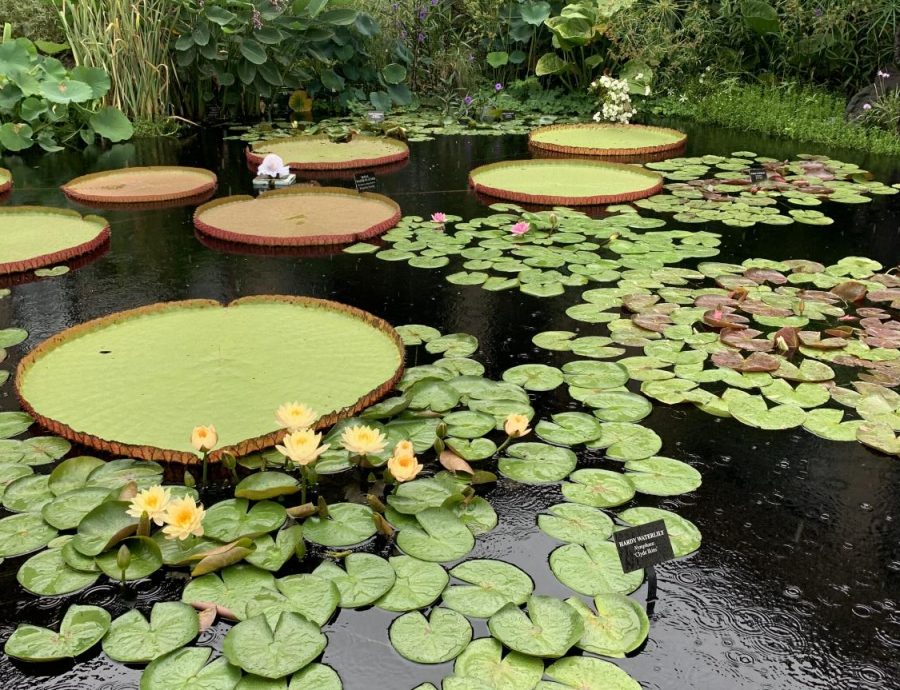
x=797, y=585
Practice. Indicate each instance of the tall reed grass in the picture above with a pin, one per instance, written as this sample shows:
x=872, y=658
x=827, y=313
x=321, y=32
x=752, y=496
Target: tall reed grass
x=130, y=39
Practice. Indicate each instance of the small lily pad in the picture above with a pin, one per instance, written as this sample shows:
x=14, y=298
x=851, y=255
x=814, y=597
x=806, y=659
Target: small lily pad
x=82, y=627
x=598, y=488
x=186, y=669
x=433, y=640
x=347, y=524
x=417, y=585
x=132, y=639
x=593, y=569
x=575, y=523
x=549, y=628
x=491, y=585
x=537, y=463
x=363, y=579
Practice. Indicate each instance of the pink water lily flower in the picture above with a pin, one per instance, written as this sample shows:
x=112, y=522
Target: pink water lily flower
x=439, y=217
x=273, y=166
x=520, y=228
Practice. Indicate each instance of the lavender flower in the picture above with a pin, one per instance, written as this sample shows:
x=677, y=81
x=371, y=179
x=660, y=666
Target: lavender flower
x=421, y=37
x=867, y=106
x=468, y=100
x=273, y=166
x=498, y=86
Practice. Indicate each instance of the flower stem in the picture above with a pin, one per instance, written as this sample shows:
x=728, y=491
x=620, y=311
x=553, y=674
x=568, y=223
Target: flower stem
x=504, y=444
x=203, y=476
x=302, y=485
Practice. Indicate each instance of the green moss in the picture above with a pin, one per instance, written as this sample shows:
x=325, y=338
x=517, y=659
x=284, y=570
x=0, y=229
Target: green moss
x=804, y=113
x=34, y=19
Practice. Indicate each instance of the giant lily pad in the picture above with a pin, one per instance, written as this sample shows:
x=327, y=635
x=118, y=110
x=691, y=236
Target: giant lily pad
x=549, y=629
x=433, y=640
x=491, y=585
x=342, y=361
x=132, y=639
x=82, y=627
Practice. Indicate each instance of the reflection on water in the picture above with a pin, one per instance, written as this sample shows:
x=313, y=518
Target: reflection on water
x=797, y=585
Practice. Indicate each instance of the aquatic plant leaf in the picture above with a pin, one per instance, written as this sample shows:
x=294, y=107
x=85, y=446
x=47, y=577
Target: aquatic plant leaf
x=753, y=411
x=683, y=533
x=82, y=627
x=534, y=377
x=624, y=441
x=491, y=584
x=596, y=375
x=417, y=585
x=230, y=589
x=10, y=473
x=117, y=473
x=453, y=345
x=436, y=396
x=554, y=340
x=575, y=523
x=484, y=665
x=661, y=476
x=586, y=673
x=617, y=406
x=593, y=569
x=569, y=429
x=537, y=463
x=619, y=626
x=598, y=488
x=47, y=574
x=363, y=579
x=132, y=639
x=67, y=510
x=474, y=449
x=235, y=518
x=440, y=537
x=416, y=334
x=271, y=554
x=104, y=527
x=273, y=652
x=14, y=423
x=262, y=485
x=347, y=524
x=312, y=597
x=549, y=628
x=186, y=669
x=27, y=494
x=828, y=423
x=72, y=473
x=146, y=559
x=316, y=677
x=433, y=640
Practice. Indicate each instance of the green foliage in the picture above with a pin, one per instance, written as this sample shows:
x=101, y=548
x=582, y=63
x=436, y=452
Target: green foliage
x=36, y=20
x=805, y=113
x=42, y=102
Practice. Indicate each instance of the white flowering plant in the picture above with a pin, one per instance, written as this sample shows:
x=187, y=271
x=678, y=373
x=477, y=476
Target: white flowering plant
x=614, y=96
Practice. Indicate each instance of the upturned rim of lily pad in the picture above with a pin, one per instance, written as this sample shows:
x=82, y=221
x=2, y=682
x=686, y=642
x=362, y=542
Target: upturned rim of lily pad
x=655, y=183
x=400, y=153
x=341, y=203
x=131, y=178
x=62, y=254
x=6, y=181
x=678, y=143
x=244, y=447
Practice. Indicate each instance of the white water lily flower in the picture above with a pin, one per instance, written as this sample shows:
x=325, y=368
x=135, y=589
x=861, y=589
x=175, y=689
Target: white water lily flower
x=273, y=166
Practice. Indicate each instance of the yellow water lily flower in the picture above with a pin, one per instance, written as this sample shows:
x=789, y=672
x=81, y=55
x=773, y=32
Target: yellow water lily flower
x=516, y=425
x=404, y=449
x=363, y=440
x=302, y=447
x=404, y=467
x=204, y=438
x=295, y=416
x=153, y=501
x=183, y=518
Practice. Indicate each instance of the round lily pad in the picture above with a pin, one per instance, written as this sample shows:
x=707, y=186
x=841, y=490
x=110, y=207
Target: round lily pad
x=82, y=627
x=586, y=673
x=262, y=485
x=316, y=677
x=433, y=640
x=232, y=588
x=549, y=628
x=624, y=441
x=534, y=377
x=24, y=533
x=439, y=537
x=141, y=185
x=659, y=476
x=186, y=669
x=491, y=585
x=564, y=182
x=417, y=585
x=576, y=523
x=47, y=574
x=273, y=652
x=320, y=153
x=72, y=474
x=593, y=569
x=67, y=510
x=146, y=559
x=598, y=488
x=35, y=236
x=619, y=626
x=606, y=139
x=298, y=216
x=683, y=533
x=618, y=406
x=537, y=463
x=363, y=579
x=347, y=524
x=482, y=665
x=132, y=639
x=569, y=429
x=342, y=359
x=238, y=517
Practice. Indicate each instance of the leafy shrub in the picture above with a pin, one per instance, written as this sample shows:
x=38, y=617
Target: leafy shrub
x=37, y=20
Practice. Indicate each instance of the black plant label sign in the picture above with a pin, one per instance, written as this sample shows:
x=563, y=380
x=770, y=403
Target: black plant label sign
x=365, y=182
x=643, y=546
x=758, y=175
x=508, y=115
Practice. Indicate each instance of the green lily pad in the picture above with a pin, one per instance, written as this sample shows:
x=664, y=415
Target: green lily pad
x=262, y=485
x=437, y=396
x=659, y=476
x=9, y=337
x=117, y=473
x=14, y=423
x=453, y=345
x=346, y=525
x=828, y=423
x=598, y=488
x=483, y=666
x=440, y=537
x=10, y=473
x=575, y=523
x=468, y=424
x=186, y=669
x=82, y=627
x=624, y=442
x=316, y=677
x=26, y=494
x=416, y=334
x=569, y=429
x=134, y=640
x=413, y=497
x=362, y=581
x=417, y=585
x=549, y=629
x=753, y=411
x=474, y=449
x=554, y=340
x=491, y=585
x=231, y=588
x=312, y=597
x=67, y=510
x=534, y=377
x=586, y=673
x=47, y=574
x=683, y=533
x=593, y=569
x=537, y=463
x=72, y=474
x=104, y=527
x=433, y=640
x=235, y=518
x=596, y=375
x=273, y=653
x=618, y=406
x=146, y=559
x=619, y=626
x=272, y=554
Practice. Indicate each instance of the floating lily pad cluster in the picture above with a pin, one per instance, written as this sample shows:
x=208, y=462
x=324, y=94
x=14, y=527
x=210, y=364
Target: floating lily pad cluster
x=75, y=521
x=731, y=197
